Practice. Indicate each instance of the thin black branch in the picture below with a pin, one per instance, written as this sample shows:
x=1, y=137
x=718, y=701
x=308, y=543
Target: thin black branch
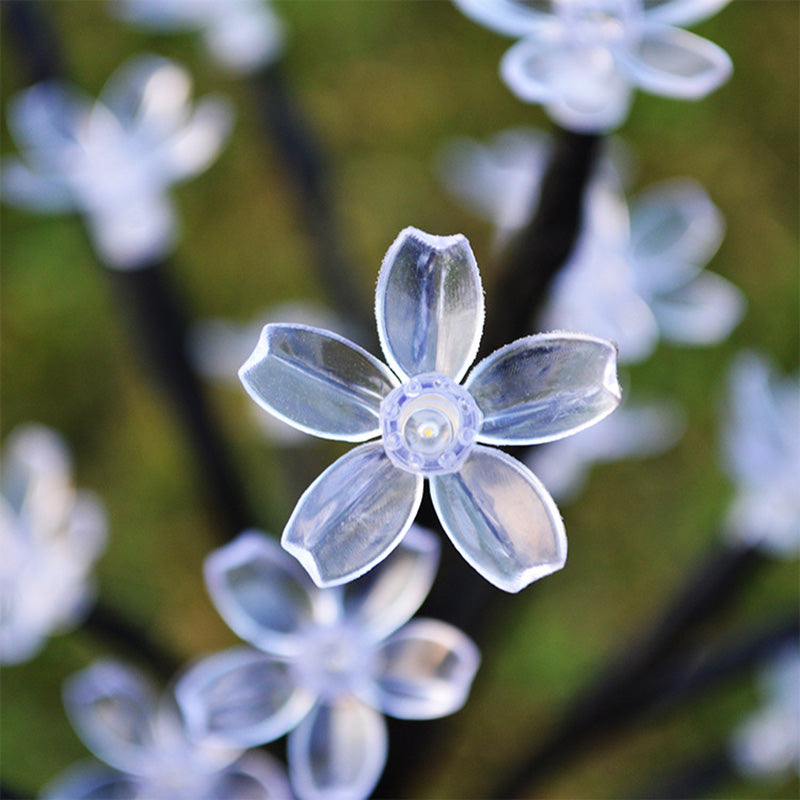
x=302, y=159
x=35, y=39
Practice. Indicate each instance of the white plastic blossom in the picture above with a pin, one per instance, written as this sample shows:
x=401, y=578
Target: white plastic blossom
x=50, y=537
x=329, y=663
x=768, y=743
x=634, y=430
x=113, y=160
x=634, y=276
x=147, y=755
x=241, y=35
x=429, y=308
x=761, y=442
x=582, y=59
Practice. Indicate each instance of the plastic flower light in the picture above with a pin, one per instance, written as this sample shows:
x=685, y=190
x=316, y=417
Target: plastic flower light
x=143, y=742
x=761, y=441
x=768, y=743
x=582, y=58
x=50, y=537
x=114, y=159
x=242, y=35
x=429, y=308
x=329, y=663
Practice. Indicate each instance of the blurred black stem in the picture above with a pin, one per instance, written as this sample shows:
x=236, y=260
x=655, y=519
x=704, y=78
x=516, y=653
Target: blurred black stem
x=699, y=778
x=9, y=793
x=303, y=161
x=34, y=38
x=622, y=690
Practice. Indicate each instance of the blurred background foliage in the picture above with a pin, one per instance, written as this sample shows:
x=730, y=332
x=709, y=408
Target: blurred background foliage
x=385, y=85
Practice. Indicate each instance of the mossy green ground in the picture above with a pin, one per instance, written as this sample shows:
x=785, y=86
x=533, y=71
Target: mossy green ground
x=385, y=84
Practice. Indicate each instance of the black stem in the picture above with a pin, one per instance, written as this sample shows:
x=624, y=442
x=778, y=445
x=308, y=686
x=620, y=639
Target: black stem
x=158, y=323
x=696, y=779
x=132, y=639
x=34, y=38
x=302, y=159
x=8, y=792
x=617, y=693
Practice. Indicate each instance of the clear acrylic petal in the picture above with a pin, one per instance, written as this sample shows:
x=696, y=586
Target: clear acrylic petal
x=425, y=670
x=90, y=781
x=704, y=311
x=262, y=593
x=675, y=230
x=352, y=516
x=338, y=751
x=389, y=595
x=26, y=188
x=111, y=707
x=241, y=697
x=544, y=387
x=581, y=90
x=317, y=381
x=255, y=776
x=501, y=519
x=677, y=63
x=507, y=16
x=683, y=13
x=429, y=304
x=148, y=93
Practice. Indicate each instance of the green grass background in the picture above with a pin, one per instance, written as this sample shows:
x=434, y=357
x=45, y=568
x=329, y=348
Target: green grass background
x=385, y=84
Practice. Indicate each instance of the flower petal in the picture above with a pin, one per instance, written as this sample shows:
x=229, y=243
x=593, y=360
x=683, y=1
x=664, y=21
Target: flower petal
x=263, y=595
x=507, y=16
x=352, y=516
x=429, y=304
x=426, y=670
x=676, y=63
x=255, y=776
x=545, y=387
x=501, y=519
x=91, y=781
x=675, y=230
x=704, y=311
x=317, y=381
x=389, y=595
x=583, y=90
x=684, y=13
x=35, y=191
x=241, y=697
x=338, y=751
x=111, y=707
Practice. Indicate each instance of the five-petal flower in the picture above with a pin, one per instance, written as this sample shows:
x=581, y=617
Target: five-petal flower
x=328, y=662
x=50, y=537
x=143, y=740
x=761, y=442
x=113, y=160
x=429, y=308
x=582, y=58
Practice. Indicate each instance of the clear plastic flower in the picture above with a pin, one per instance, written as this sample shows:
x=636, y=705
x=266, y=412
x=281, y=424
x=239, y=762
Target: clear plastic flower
x=147, y=754
x=634, y=430
x=429, y=308
x=634, y=276
x=241, y=35
x=768, y=743
x=113, y=160
x=761, y=449
x=50, y=536
x=329, y=664
x=582, y=59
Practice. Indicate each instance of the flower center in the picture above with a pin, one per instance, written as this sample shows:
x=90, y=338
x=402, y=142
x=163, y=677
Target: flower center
x=599, y=23
x=429, y=425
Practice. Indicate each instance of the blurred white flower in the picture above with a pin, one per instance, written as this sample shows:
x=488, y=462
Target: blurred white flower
x=768, y=743
x=632, y=431
x=114, y=159
x=220, y=346
x=632, y=277
x=329, y=663
x=50, y=537
x=242, y=35
x=429, y=311
x=582, y=58
x=116, y=713
x=761, y=453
